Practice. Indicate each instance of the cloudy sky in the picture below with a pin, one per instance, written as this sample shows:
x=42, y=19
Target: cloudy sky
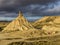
x=30, y=8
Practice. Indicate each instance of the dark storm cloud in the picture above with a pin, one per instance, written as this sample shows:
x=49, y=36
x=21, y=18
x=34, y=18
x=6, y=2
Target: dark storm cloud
x=29, y=7
x=10, y=5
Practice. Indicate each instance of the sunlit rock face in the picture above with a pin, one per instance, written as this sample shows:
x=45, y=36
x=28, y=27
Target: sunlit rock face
x=20, y=23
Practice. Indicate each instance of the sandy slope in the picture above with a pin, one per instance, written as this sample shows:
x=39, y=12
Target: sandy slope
x=48, y=40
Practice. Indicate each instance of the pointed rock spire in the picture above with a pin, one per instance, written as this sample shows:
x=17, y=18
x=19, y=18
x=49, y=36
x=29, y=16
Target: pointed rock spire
x=20, y=14
x=20, y=23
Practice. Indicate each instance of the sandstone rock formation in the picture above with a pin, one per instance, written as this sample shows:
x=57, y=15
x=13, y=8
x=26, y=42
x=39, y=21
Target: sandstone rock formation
x=20, y=23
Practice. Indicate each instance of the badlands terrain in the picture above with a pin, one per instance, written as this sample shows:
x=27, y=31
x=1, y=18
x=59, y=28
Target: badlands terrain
x=45, y=31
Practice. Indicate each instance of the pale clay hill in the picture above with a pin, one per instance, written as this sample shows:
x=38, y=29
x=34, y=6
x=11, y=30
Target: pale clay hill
x=50, y=24
x=20, y=23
